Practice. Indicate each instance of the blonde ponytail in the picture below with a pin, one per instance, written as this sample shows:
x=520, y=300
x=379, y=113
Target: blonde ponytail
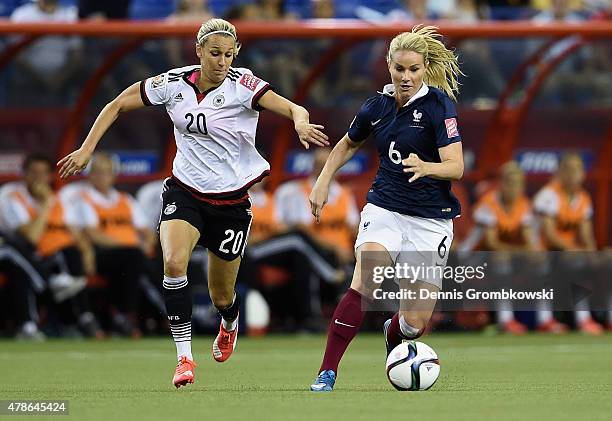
x=442, y=64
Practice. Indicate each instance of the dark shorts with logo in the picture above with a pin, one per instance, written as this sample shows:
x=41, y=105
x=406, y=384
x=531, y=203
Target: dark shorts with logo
x=223, y=221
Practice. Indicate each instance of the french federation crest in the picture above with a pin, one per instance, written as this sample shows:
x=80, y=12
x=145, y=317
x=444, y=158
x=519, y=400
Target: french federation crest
x=218, y=101
x=416, y=116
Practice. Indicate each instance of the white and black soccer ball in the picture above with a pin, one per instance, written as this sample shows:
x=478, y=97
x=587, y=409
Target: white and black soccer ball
x=413, y=366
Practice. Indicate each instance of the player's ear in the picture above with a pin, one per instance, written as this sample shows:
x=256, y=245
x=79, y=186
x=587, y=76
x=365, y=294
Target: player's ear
x=199, y=50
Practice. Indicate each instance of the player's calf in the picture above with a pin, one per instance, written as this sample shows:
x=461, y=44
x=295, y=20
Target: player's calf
x=226, y=340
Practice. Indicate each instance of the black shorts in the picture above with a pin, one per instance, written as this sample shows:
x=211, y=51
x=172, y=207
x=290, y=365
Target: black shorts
x=224, y=228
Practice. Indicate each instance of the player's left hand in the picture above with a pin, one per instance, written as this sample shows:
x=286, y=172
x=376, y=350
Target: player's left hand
x=311, y=133
x=414, y=165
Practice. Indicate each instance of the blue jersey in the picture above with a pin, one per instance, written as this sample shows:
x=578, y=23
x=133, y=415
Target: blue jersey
x=427, y=122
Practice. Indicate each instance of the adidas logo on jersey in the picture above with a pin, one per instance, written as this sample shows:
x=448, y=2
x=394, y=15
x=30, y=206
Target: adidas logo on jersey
x=179, y=97
x=170, y=208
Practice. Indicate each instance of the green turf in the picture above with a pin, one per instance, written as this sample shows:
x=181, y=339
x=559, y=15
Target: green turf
x=483, y=377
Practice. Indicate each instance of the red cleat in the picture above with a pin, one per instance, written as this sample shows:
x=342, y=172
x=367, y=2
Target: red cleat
x=591, y=327
x=553, y=326
x=224, y=343
x=185, y=372
x=514, y=327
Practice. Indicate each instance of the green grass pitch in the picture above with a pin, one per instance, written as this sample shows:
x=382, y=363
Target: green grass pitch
x=483, y=377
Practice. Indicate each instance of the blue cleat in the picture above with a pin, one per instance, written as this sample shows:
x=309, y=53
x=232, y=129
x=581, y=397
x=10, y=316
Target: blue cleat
x=324, y=381
x=385, y=330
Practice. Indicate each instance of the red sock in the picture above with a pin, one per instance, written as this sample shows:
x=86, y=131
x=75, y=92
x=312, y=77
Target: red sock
x=344, y=325
x=394, y=334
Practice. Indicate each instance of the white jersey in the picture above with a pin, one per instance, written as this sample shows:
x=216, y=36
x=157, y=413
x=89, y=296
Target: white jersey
x=88, y=215
x=214, y=130
x=293, y=205
x=150, y=201
x=15, y=205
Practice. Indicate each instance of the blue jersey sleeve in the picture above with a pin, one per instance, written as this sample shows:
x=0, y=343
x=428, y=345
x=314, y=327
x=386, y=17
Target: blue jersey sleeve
x=361, y=126
x=445, y=124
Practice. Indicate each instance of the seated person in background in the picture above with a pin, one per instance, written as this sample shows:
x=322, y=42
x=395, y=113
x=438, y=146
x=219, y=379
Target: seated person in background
x=117, y=228
x=101, y=10
x=565, y=210
x=22, y=281
x=41, y=222
x=149, y=200
x=505, y=225
x=50, y=63
x=338, y=225
x=295, y=252
x=335, y=233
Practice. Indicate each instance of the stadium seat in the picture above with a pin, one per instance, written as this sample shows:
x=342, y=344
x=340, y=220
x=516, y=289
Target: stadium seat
x=272, y=276
x=150, y=9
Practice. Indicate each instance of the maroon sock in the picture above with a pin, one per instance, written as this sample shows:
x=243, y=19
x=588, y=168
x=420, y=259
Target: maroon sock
x=394, y=333
x=344, y=325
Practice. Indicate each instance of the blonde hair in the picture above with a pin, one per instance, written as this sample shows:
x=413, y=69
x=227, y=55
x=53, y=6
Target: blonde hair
x=569, y=156
x=442, y=64
x=217, y=26
x=511, y=168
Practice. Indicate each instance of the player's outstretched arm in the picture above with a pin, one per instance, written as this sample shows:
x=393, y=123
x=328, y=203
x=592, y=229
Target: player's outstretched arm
x=76, y=161
x=307, y=132
x=342, y=152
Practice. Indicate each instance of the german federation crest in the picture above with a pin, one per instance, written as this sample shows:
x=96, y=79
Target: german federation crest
x=218, y=100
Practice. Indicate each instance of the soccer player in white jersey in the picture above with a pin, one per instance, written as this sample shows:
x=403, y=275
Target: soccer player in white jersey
x=214, y=109
x=408, y=217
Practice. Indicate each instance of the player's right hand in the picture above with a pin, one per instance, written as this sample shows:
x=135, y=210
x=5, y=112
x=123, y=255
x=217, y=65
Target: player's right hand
x=318, y=199
x=311, y=133
x=73, y=163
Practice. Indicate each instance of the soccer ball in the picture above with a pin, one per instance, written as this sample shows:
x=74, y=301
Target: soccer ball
x=413, y=366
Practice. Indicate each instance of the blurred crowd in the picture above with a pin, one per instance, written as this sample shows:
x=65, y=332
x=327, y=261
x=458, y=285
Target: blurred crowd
x=57, y=65
x=374, y=10
x=86, y=261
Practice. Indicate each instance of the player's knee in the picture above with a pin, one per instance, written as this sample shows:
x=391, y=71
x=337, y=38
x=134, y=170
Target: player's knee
x=221, y=299
x=412, y=325
x=175, y=263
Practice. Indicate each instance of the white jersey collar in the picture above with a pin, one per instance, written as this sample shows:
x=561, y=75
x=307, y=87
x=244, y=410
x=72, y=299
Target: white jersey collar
x=389, y=90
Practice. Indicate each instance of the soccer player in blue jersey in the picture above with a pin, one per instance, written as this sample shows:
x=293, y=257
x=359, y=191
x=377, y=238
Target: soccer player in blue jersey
x=410, y=206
